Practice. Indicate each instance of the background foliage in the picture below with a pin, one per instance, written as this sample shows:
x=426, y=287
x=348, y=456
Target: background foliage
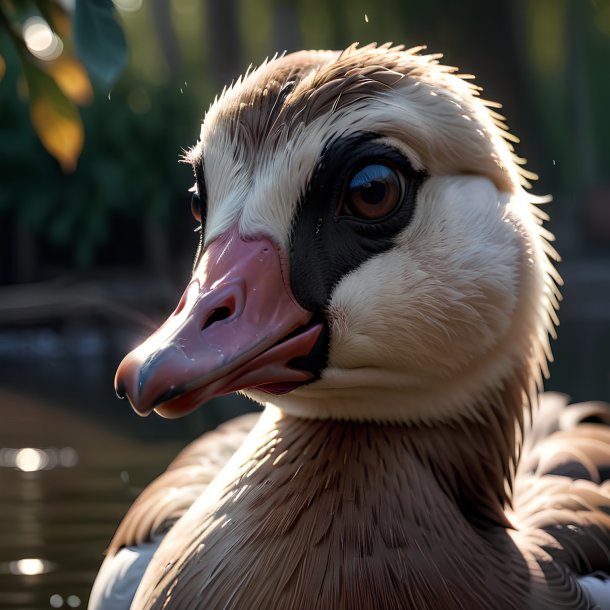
x=545, y=59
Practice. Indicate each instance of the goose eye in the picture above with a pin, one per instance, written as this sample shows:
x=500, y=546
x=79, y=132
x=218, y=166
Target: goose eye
x=197, y=207
x=373, y=192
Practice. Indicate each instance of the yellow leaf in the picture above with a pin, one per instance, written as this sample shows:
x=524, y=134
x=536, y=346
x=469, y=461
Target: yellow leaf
x=2, y=67
x=61, y=135
x=71, y=77
x=54, y=117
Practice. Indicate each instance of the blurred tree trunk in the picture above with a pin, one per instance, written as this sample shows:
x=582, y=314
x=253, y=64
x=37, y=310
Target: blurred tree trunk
x=168, y=41
x=157, y=239
x=528, y=87
x=340, y=35
x=551, y=38
x=579, y=94
x=225, y=46
x=286, y=26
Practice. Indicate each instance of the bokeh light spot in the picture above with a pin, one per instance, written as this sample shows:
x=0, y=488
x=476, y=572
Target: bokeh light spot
x=30, y=566
x=30, y=460
x=56, y=601
x=41, y=40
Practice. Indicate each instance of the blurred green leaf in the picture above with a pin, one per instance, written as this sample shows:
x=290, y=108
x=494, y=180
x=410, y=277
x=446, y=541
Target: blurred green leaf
x=54, y=117
x=99, y=40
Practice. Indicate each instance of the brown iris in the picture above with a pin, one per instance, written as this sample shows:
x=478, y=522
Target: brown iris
x=372, y=192
x=196, y=207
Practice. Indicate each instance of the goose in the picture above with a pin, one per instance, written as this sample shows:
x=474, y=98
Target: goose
x=374, y=271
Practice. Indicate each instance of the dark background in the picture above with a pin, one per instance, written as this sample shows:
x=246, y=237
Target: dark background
x=92, y=259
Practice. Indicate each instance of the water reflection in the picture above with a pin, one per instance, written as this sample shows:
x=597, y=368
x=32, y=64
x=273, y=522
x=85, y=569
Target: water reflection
x=30, y=567
x=30, y=459
x=60, y=502
x=72, y=458
x=57, y=601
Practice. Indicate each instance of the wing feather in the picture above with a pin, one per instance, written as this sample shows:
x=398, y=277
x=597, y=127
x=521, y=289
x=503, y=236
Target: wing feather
x=158, y=507
x=562, y=493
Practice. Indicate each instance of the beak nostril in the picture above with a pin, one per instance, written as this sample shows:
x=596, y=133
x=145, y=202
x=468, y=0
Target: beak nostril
x=218, y=314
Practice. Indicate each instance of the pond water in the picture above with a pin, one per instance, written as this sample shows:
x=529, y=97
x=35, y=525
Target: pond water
x=72, y=459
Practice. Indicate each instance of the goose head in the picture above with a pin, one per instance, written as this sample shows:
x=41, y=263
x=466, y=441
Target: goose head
x=369, y=250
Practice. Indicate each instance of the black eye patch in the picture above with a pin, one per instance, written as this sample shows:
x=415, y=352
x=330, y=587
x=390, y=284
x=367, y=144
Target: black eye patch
x=326, y=244
x=199, y=205
x=199, y=202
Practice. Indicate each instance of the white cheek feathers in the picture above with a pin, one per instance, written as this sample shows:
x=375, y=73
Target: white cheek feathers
x=422, y=332
x=446, y=292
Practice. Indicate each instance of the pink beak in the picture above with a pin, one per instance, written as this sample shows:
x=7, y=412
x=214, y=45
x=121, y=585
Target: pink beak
x=237, y=326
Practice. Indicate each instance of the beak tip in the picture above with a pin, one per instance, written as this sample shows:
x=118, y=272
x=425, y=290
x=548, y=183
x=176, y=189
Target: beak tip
x=127, y=384
x=122, y=392
x=119, y=389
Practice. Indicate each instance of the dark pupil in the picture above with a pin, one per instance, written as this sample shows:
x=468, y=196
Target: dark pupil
x=373, y=193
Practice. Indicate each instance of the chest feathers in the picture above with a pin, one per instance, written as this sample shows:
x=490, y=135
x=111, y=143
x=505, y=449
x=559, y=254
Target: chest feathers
x=312, y=505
